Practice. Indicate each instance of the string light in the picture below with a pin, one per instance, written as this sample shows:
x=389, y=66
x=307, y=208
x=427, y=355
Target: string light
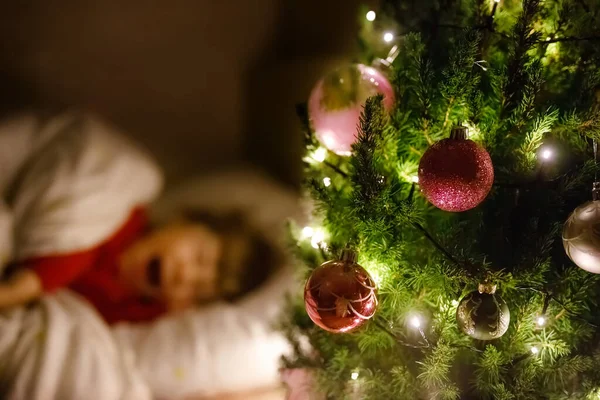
x=540, y=321
x=371, y=16
x=354, y=376
x=415, y=321
x=534, y=350
x=317, y=238
x=388, y=37
x=327, y=181
x=307, y=232
x=320, y=154
x=546, y=153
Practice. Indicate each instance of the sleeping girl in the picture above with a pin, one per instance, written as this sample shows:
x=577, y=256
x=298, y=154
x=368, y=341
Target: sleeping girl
x=102, y=246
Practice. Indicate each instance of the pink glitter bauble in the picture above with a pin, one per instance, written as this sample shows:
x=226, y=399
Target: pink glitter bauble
x=340, y=296
x=456, y=174
x=337, y=100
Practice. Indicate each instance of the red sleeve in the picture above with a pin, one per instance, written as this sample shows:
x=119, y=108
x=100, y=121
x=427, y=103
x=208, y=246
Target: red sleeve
x=57, y=272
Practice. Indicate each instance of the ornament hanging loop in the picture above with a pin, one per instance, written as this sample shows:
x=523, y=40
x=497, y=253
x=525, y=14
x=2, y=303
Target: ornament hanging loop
x=387, y=62
x=487, y=287
x=349, y=256
x=596, y=184
x=459, y=132
x=596, y=191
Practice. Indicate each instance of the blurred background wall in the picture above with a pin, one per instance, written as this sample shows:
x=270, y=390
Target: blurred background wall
x=202, y=83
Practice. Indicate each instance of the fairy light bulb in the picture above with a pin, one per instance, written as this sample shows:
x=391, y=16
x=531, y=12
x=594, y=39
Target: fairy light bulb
x=307, y=232
x=546, y=154
x=317, y=238
x=534, y=350
x=415, y=321
x=371, y=16
x=354, y=376
x=415, y=179
x=540, y=321
x=320, y=154
x=327, y=181
x=388, y=37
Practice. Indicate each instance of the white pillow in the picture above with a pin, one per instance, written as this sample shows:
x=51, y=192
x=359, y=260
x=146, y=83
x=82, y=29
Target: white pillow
x=223, y=347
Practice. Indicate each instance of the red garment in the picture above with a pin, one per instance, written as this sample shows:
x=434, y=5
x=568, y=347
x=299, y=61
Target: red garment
x=94, y=274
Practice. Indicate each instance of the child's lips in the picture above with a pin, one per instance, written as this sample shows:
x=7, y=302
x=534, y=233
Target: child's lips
x=153, y=272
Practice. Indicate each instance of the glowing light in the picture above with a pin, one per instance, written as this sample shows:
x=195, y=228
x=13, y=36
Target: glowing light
x=415, y=321
x=454, y=303
x=371, y=16
x=320, y=154
x=534, y=350
x=354, y=376
x=388, y=37
x=317, y=238
x=372, y=80
x=541, y=321
x=497, y=1
x=329, y=140
x=414, y=179
x=547, y=154
x=307, y=232
x=327, y=181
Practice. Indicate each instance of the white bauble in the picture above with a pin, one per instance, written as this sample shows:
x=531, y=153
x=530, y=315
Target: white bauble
x=581, y=236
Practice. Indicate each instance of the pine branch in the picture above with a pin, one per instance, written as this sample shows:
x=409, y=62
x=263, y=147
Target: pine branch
x=366, y=179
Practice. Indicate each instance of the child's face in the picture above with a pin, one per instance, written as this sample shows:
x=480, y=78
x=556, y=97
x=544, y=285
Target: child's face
x=177, y=264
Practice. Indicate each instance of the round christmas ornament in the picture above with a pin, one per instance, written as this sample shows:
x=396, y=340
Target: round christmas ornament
x=456, y=174
x=482, y=314
x=337, y=100
x=340, y=295
x=581, y=235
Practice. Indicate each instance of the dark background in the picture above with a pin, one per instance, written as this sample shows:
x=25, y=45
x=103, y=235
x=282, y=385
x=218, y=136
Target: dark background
x=203, y=84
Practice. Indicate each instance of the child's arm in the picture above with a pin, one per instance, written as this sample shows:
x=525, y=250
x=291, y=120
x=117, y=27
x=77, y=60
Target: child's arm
x=35, y=277
x=21, y=288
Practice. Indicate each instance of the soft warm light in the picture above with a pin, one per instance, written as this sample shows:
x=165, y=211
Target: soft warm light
x=415, y=179
x=534, y=350
x=307, y=232
x=317, y=238
x=320, y=154
x=497, y=1
x=371, y=16
x=354, y=376
x=327, y=181
x=388, y=37
x=415, y=322
x=546, y=154
x=541, y=321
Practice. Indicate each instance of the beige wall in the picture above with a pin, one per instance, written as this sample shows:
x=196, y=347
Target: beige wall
x=201, y=83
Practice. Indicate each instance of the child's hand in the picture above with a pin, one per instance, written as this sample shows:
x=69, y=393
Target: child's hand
x=20, y=288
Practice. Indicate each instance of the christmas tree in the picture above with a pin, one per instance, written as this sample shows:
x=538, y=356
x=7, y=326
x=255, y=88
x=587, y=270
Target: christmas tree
x=456, y=216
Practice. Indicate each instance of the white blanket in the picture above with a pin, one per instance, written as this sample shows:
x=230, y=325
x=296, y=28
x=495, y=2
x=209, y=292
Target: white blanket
x=73, y=181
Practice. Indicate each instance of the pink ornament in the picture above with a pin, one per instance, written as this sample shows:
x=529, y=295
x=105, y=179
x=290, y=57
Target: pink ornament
x=456, y=174
x=337, y=100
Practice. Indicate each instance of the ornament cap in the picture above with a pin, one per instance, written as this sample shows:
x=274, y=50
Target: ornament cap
x=349, y=255
x=596, y=191
x=487, y=287
x=459, y=132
